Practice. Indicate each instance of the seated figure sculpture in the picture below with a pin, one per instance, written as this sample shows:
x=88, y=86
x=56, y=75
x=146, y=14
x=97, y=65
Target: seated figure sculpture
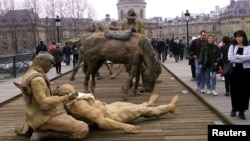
x=115, y=115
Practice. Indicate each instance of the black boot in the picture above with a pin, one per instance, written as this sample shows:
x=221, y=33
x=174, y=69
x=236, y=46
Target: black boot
x=242, y=115
x=233, y=113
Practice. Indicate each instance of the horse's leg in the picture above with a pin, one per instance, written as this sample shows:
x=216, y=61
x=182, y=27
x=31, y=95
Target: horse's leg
x=86, y=82
x=93, y=82
x=137, y=79
x=121, y=68
x=92, y=86
x=107, y=65
x=126, y=86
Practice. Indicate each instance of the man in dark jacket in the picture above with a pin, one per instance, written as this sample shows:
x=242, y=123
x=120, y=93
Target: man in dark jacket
x=194, y=52
x=67, y=52
x=41, y=47
x=58, y=56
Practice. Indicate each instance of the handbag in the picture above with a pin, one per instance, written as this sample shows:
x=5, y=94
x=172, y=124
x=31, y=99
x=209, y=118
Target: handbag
x=228, y=69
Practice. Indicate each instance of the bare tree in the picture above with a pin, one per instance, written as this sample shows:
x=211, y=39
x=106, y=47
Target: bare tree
x=9, y=5
x=35, y=9
x=77, y=10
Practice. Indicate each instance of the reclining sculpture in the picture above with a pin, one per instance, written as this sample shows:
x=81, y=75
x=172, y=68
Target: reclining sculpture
x=114, y=115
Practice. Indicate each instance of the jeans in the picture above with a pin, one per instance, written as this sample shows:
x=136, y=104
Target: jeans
x=67, y=59
x=210, y=79
x=200, y=78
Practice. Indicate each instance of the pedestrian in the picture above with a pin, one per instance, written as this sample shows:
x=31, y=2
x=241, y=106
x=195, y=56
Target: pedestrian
x=194, y=52
x=224, y=51
x=52, y=47
x=239, y=55
x=41, y=47
x=191, y=62
x=182, y=47
x=67, y=53
x=42, y=115
x=209, y=59
x=160, y=48
x=176, y=49
x=75, y=52
x=165, y=52
x=58, y=55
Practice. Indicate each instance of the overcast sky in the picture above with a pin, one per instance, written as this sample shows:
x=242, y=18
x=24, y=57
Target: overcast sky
x=163, y=8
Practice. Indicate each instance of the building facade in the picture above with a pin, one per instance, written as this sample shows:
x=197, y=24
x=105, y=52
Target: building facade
x=21, y=30
x=220, y=22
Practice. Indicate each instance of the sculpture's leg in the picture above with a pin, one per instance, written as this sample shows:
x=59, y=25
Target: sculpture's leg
x=86, y=83
x=92, y=86
x=107, y=65
x=137, y=79
x=75, y=69
x=161, y=110
x=121, y=68
x=110, y=124
x=128, y=82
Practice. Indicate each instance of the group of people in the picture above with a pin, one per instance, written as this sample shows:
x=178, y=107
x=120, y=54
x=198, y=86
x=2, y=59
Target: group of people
x=164, y=47
x=60, y=53
x=207, y=56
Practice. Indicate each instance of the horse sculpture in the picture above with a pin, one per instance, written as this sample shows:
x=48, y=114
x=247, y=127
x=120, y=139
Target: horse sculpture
x=133, y=51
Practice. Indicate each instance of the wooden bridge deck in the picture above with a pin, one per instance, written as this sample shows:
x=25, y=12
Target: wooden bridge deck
x=188, y=123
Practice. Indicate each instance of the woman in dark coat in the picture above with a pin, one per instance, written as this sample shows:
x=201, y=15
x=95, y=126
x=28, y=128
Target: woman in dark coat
x=209, y=59
x=239, y=55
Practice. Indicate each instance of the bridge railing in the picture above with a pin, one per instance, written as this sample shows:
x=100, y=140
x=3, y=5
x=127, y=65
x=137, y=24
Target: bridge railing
x=15, y=64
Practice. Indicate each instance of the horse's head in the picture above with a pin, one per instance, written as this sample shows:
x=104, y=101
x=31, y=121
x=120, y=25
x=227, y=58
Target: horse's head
x=152, y=67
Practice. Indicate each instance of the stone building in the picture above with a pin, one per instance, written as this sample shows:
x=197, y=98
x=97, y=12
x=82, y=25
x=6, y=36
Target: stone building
x=22, y=30
x=220, y=22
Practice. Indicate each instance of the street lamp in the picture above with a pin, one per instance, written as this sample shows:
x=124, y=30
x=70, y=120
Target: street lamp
x=58, y=24
x=187, y=15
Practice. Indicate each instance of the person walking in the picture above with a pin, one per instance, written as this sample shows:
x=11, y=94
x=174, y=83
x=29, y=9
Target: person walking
x=224, y=51
x=165, y=52
x=41, y=47
x=52, y=47
x=182, y=48
x=67, y=53
x=239, y=55
x=175, y=49
x=75, y=51
x=58, y=55
x=209, y=59
x=194, y=52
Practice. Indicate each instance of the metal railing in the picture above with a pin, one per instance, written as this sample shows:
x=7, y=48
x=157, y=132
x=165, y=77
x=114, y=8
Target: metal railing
x=12, y=65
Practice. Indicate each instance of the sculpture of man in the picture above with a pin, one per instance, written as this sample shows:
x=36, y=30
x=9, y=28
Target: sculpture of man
x=133, y=22
x=42, y=114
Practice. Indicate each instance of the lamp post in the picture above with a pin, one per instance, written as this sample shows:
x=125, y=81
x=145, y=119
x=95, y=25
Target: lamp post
x=58, y=24
x=187, y=15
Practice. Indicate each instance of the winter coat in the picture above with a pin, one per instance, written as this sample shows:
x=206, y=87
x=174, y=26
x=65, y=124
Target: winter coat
x=215, y=57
